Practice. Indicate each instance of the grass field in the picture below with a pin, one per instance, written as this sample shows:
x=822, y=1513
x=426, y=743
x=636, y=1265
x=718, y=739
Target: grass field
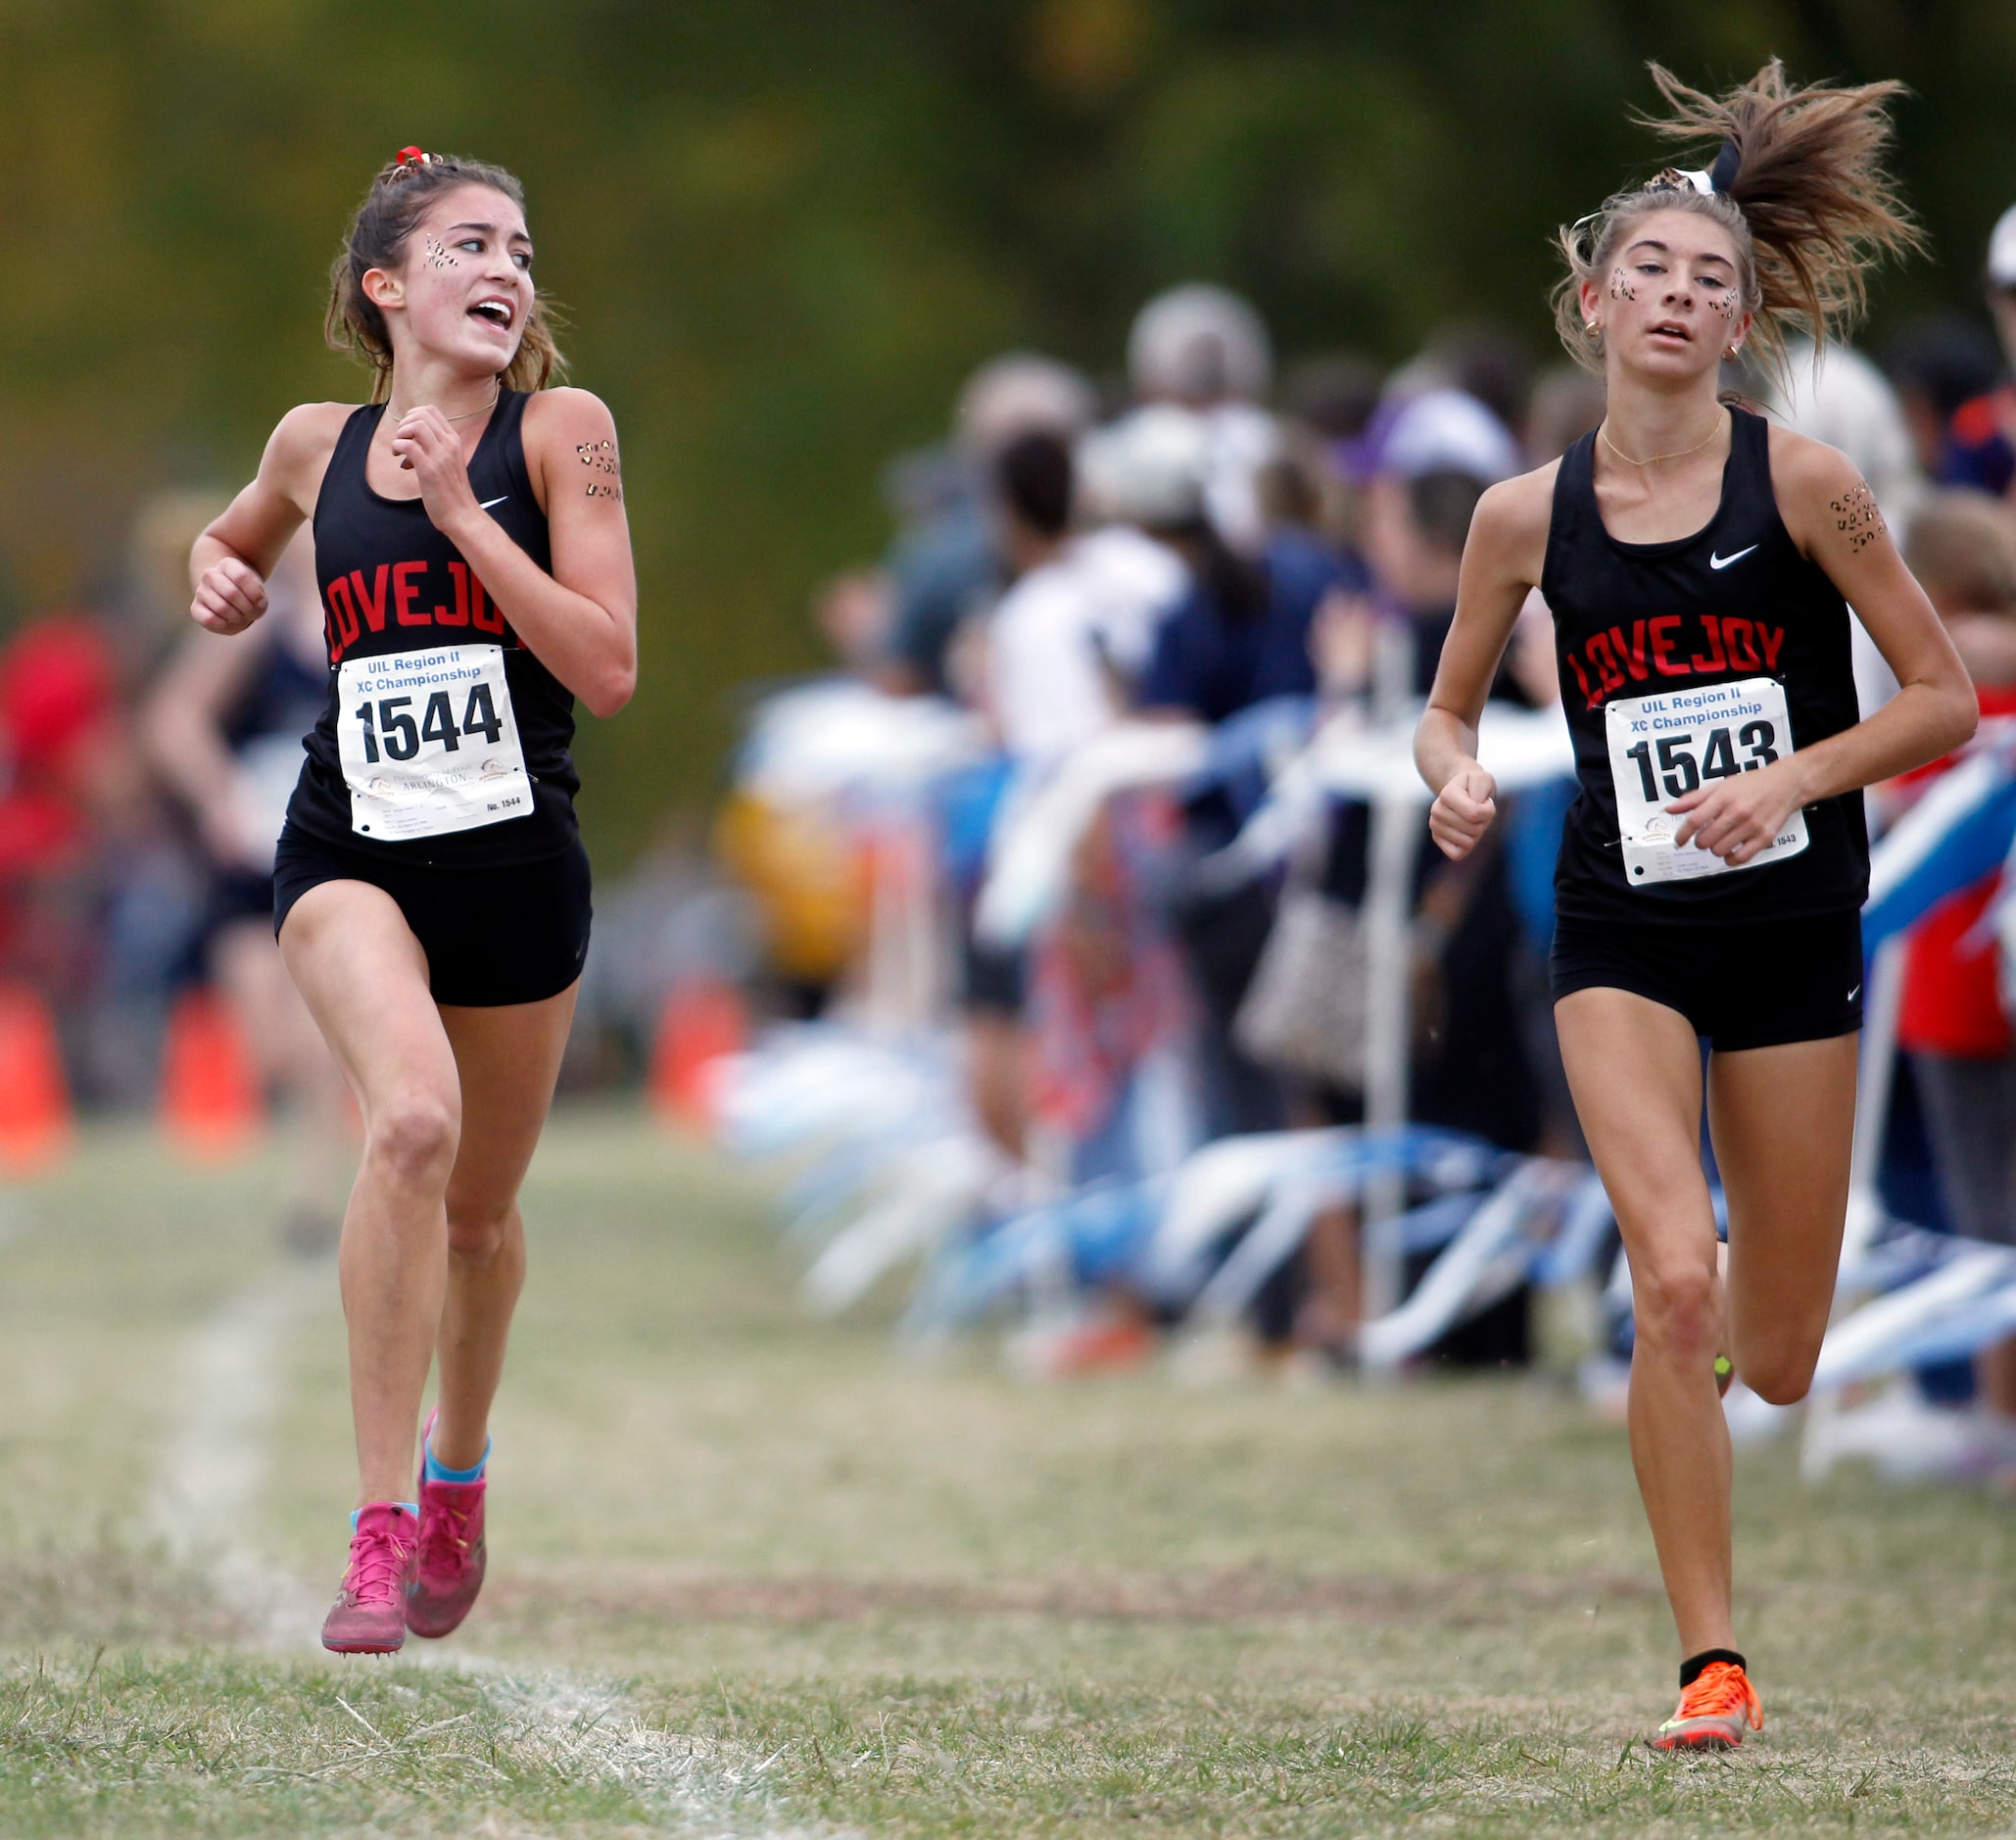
x=752, y=1575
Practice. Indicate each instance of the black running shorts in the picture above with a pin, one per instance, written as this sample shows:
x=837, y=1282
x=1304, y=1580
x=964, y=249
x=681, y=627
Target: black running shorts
x=516, y=933
x=1760, y=984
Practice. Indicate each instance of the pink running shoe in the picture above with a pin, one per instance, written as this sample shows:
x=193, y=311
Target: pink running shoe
x=369, y=1617
x=449, y=1572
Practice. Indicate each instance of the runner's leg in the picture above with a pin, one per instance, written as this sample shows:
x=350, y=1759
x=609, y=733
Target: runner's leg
x=364, y=979
x=291, y=1056
x=508, y=1057
x=1783, y=1120
x=1634, y=1067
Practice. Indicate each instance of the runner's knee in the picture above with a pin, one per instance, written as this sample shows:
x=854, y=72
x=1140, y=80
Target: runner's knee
x=477, y=1235
x=1677, y=1307
x=1779, y=1375
x=412, y=1137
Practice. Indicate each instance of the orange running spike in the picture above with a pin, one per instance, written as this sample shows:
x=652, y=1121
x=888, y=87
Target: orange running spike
x=1713, y=1712
x=36, y=1124
x=210, y=1105
x=703, y=1020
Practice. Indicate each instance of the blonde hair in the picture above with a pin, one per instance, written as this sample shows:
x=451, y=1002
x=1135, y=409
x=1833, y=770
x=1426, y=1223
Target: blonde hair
x=387, y=217
x=1800, y=185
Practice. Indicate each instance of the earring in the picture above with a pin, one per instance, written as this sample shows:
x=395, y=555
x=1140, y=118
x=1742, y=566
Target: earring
x=1730, y=355
x=1591, y=329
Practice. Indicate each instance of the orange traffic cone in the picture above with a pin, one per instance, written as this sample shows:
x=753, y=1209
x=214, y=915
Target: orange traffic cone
x=35, y=1120
x=210, y=1105
x=703, y=1019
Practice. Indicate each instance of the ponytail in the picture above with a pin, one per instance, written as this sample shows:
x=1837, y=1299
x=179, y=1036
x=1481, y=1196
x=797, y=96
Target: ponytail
x=1799, y=179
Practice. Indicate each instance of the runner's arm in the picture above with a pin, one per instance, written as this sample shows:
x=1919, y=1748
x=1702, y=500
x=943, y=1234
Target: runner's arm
x=1501, y=567
x=581, y=620
x=1831, y=514
x=230, y=560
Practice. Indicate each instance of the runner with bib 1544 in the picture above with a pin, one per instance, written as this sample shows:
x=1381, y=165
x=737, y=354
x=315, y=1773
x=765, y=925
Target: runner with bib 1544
x=1699, y=565
x=430, y=892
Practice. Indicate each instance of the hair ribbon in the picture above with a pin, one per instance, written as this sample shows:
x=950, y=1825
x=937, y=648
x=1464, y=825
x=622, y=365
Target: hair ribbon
x=1707, y=181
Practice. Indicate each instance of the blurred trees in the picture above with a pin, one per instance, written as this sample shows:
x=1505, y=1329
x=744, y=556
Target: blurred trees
x=786, y=230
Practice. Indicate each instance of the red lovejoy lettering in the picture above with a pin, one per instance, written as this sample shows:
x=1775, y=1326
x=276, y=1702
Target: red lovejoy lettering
x=405, y=592
x=340, y=618
x=1663, y=630
x=460, y=572
x=373, y=606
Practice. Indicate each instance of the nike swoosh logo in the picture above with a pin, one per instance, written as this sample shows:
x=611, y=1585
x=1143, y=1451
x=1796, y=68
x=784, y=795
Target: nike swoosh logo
x=501, y=496
x=1723, y=561
x=1856, y=993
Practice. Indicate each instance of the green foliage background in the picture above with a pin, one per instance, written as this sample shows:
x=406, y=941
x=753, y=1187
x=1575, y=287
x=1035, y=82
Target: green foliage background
x=786, y=230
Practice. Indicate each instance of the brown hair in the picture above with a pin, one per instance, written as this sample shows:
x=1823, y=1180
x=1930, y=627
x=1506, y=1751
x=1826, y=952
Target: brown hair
x=390, y=210
x=1961, y=545
x=1800, y=186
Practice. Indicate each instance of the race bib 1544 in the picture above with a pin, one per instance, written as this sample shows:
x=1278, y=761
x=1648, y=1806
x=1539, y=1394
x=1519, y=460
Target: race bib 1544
x=429, y=742
x=1666, y=747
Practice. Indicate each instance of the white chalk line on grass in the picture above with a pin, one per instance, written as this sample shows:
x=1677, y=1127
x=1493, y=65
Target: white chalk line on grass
x=213, y=1469
x=208, y=1485
x=589, y=1726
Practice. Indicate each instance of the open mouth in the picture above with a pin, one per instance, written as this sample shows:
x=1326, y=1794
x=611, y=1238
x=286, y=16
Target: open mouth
x=494, y=311
x=1671, y=329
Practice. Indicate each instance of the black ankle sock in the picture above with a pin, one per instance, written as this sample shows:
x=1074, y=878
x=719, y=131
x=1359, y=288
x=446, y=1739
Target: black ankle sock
x=1696, y=1666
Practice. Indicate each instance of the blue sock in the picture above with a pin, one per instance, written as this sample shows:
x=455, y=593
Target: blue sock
x=438, y=1472
x=412, y=1507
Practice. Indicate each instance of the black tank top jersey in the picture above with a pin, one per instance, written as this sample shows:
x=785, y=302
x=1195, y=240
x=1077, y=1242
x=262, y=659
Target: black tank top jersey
x=1736, y=600
x=390, y=582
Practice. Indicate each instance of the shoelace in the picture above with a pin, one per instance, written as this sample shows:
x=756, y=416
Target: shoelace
x=377, y=1567
x=446, y=1540
x=1722, y=1688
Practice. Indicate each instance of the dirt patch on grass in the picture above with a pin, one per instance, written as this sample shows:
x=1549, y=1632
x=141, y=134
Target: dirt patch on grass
x=1236, y=1595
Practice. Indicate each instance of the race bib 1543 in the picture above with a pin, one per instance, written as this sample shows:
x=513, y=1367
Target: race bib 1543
x=429, y=742
x=1666, y=747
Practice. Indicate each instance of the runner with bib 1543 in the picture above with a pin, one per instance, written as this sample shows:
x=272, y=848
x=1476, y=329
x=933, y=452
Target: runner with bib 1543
x=1699, y=565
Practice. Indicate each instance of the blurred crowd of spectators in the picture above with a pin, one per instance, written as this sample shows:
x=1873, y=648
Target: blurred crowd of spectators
x=1262, y=553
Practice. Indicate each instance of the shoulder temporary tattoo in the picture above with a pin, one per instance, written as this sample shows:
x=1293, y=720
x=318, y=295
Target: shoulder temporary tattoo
x=1856, y=517
x=599, y=458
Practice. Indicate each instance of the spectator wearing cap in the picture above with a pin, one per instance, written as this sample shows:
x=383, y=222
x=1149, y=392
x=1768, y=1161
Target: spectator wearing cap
x=1239, y=633
x=1473, y=1013
x=1981, y=440
x=1239, y=636
x=947, y=565
x=1442, y=450
x=1204, y=349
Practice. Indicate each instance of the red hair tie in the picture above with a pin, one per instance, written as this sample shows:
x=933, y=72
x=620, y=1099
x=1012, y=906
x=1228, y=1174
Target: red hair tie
x=412, y=156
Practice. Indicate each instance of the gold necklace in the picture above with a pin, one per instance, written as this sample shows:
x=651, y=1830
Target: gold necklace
x=467, y=414
x=1603, y=431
